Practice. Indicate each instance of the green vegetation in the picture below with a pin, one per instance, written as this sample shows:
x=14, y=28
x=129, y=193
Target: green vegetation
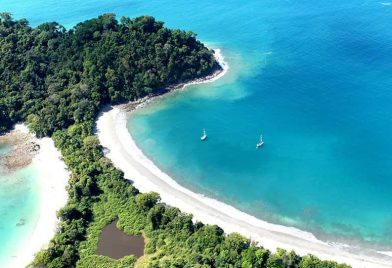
x=57, y=80
x=99, y=194
x=53, y=78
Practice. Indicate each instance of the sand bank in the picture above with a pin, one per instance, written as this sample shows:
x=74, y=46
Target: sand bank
x=52, y=177
x=122, y=150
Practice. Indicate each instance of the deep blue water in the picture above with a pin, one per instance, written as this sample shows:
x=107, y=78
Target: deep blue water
x=314, y=77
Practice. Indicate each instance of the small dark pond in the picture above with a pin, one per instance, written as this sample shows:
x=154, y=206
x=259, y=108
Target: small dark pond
x=116, y=244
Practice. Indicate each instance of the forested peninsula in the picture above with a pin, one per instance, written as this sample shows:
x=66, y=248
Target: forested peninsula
x=56, y=81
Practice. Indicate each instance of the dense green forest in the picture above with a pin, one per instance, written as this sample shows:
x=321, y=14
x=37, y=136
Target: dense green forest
x=56, y=80
x=53, y=78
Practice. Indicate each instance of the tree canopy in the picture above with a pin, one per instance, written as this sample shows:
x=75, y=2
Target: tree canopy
x=52, y=77
x=57, y=80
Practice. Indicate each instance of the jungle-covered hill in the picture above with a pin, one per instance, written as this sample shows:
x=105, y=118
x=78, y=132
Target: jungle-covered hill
x=56, y=80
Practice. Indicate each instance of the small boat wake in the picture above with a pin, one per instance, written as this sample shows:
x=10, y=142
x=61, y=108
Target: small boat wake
x=260, y=143
x=204, y=135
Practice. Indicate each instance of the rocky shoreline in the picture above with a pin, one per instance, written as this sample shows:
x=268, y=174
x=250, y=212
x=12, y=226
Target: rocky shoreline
x=23, y=149
x=219, y=71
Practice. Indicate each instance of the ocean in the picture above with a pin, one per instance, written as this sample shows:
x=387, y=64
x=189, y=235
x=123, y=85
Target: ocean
x=313, y=77
x=19, y=200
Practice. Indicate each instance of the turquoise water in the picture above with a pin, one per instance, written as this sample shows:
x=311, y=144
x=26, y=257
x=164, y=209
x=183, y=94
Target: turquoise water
x=4, y=149
x=316, y=80
x=313, y=77
x=18, y=208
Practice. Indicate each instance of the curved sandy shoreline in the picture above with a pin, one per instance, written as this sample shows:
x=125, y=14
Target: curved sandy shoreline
x=52, y=178
x=122, y=150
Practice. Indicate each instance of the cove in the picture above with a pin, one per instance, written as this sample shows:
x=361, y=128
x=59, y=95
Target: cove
x=314, y=78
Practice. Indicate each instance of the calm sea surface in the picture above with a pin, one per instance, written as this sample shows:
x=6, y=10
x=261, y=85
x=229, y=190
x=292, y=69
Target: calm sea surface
x=18, y=208
x=315, y=78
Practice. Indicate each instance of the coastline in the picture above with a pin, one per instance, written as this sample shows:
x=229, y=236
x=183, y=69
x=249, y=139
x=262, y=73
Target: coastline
x=52, y=176
x=23, y=147
x=217, y=74
x=120, y=147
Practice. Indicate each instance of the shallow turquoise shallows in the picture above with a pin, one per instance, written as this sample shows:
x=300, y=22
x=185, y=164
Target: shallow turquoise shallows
x=18, y=209
x=314, y=77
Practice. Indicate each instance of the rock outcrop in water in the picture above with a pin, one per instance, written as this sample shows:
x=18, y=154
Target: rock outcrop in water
x=23, y=147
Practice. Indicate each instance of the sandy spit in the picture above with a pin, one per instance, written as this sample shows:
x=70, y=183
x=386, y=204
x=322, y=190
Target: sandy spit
x=120, y=147
x=52, y=176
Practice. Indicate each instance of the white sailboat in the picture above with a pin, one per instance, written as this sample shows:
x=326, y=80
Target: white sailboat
x=204, y=135
x=260, y=143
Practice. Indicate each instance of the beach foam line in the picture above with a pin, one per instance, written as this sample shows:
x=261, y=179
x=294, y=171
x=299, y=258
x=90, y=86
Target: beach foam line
x=387, y=253
x=52, y=176
x=180, y=86
x=111, y=128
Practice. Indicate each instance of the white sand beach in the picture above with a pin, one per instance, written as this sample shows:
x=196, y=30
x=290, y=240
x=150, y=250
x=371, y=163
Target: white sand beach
x=122, y=150
x=52, y=178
